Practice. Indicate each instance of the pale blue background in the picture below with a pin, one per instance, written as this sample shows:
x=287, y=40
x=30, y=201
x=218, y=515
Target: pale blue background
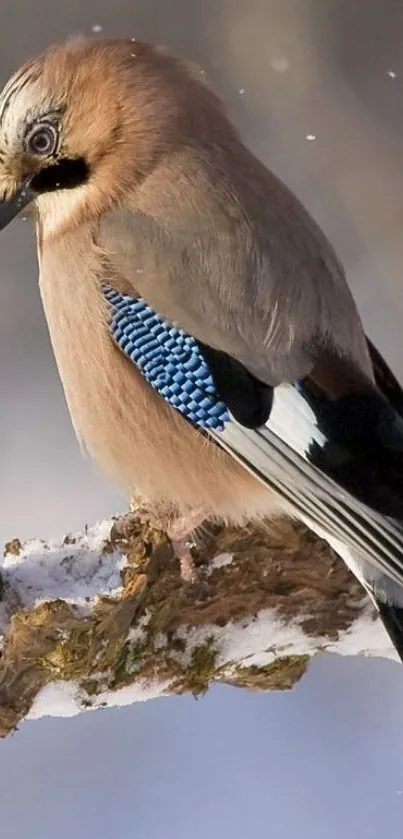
x=322, y=761
x=326, y=760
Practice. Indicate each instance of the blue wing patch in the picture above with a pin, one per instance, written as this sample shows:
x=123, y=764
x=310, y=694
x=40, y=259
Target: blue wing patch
x=168, y=358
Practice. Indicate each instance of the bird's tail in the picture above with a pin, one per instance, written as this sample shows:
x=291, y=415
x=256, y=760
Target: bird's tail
x=348, y=493
x=392, y=619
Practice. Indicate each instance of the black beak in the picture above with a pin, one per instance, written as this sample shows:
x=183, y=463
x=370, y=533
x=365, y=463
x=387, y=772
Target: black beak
x=12, y=206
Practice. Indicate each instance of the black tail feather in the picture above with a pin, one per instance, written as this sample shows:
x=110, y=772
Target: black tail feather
x=392, y=619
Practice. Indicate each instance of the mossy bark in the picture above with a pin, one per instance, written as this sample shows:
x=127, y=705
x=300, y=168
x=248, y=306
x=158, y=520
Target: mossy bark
x=158, y=629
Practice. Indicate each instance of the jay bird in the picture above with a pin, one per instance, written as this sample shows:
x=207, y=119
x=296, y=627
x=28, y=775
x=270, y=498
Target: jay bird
x=211, y=353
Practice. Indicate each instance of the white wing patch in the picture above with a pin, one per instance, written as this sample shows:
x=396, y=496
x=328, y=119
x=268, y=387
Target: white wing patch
x=293, y=420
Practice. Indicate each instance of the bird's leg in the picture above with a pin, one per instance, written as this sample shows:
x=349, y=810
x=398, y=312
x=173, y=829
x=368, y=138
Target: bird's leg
x=179, y=530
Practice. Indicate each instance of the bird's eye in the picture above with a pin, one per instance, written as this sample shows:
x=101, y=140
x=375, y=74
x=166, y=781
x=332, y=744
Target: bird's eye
x=41, y=140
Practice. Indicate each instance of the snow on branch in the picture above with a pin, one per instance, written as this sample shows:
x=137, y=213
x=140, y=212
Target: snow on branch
x=102, y=617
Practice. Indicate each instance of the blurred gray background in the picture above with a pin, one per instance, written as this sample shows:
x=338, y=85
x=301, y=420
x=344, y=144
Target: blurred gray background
x=317, y=88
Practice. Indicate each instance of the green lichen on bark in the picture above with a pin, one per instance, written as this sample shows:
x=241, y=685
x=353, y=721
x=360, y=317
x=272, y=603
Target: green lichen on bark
x=201, y=671
x=281, y=674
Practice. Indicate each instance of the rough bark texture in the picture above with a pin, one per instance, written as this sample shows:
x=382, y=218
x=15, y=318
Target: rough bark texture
x=274, y=597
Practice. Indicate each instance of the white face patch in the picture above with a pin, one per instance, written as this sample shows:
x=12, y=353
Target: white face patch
x=56, y=208
x=19, y=102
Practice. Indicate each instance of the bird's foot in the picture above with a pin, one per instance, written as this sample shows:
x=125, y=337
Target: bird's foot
x=187, y=565
x=179, y=531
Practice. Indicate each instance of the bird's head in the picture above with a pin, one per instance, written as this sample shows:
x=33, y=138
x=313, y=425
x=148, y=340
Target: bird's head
x=85, y=122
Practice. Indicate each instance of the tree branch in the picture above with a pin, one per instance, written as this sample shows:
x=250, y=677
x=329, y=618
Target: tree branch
x=103, y=618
